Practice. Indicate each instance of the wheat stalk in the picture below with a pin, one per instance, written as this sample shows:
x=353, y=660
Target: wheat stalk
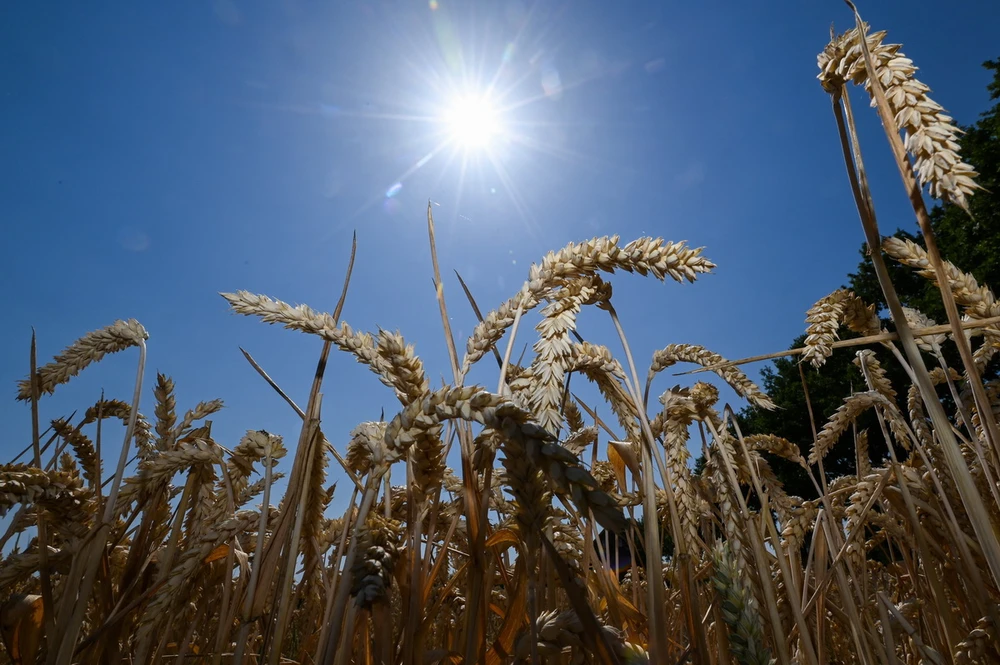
x=179, y=577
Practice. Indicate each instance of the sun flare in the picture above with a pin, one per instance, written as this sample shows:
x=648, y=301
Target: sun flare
x=472, y=121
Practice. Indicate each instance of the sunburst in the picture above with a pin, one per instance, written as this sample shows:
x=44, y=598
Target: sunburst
x=473, y=121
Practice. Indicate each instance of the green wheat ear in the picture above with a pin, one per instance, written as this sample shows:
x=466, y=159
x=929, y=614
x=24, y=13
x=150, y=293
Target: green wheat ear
x=739, y=610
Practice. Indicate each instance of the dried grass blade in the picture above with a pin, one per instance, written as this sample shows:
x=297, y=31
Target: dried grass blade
x=439, y=293
x=479, y=314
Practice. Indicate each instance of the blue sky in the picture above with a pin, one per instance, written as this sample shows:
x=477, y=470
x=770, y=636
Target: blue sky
x=159, y=153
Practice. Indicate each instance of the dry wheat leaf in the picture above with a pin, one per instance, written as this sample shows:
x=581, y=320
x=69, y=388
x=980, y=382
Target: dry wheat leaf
x=21, y=621
x=219, y=552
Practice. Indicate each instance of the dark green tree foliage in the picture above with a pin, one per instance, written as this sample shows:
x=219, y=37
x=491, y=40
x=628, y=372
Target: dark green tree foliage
x=828, y=387
x=973, y=245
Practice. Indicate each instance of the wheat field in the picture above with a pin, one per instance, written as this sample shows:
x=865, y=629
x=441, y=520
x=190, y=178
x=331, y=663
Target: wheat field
x=531, y=550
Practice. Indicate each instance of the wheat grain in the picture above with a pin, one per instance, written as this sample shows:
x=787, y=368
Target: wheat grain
x=800, y=516
x=161, y=468
x=165, y=411
x=874, y=373
x=931, y=136
x=205, y=504
x=554, y=348
x=979, y=646
x=577, y=441
x=864, y=458
x=366, y=447
x=644, y=256
x=407, y=370
x=115, y=408
x=739, y=609
x=692, y=353
x=255, y=488
x=317, y=501
x=561, y=634
x=978, y=301
x=596, y=363
x=917, y=319
x=679, y=411
x=775, y=445
x=378, y=543
x=528, y=449
x=201, y=411
x=827, y=315
x=18, y=566
x=82, y=446
x=32, y=485
x=304, y=319
x=88, y=349
x=728, y=507
x=845, y=415
x=863, y=490
x=171, y=593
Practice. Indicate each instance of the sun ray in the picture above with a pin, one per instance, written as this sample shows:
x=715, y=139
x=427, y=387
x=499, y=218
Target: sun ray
x=472, y=107
x=419, y=164
x=508, y=184
x=552, y=150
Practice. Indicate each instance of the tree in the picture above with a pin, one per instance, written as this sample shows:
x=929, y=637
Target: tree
x=971, y=244
x=828, y=387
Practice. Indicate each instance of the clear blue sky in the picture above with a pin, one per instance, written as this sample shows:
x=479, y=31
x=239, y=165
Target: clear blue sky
x=156, y=154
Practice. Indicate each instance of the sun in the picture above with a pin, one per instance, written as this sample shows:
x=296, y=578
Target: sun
x=472, y=121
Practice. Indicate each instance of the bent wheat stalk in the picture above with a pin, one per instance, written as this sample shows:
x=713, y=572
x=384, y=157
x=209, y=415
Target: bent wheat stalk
x=852, y=157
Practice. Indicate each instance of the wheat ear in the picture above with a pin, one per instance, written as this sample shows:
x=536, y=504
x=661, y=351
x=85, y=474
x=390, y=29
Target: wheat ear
x=692, y=353
x=931, y=136
x=739, y=609
x=827, y=315
x=644, y=256
x=90, y=348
